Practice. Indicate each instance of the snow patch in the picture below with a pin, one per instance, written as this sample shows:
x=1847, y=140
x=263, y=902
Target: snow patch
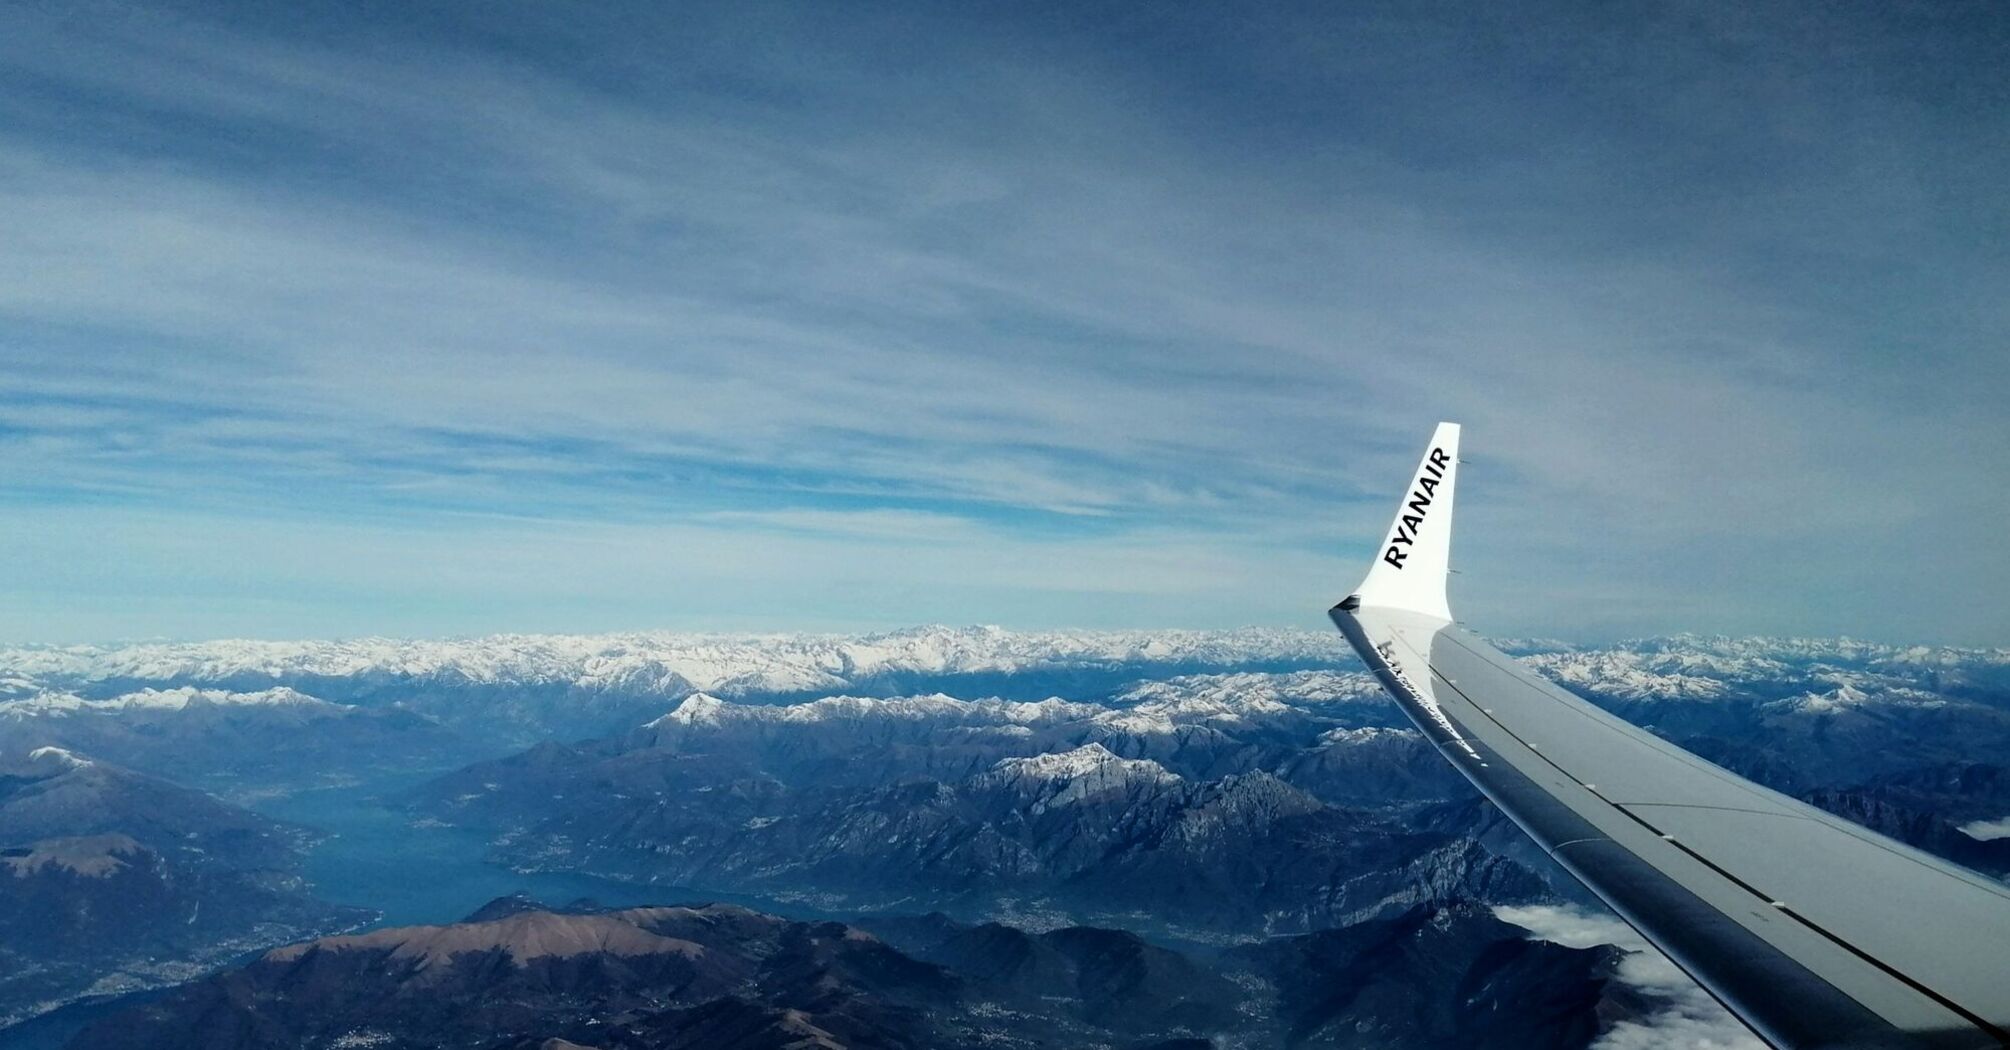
x=91, y=856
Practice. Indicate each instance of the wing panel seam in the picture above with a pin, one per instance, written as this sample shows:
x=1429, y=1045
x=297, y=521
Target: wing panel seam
x=1671, y=750
x=1691, y=805
x=1978, y=1021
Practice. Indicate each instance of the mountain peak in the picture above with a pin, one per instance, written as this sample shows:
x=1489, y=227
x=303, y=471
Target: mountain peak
x=698, y=709
x=1091, y=759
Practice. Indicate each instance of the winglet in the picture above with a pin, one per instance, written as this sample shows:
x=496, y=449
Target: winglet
x=1411, y=565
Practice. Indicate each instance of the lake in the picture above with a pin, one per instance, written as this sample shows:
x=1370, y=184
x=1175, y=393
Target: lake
x=375, y=857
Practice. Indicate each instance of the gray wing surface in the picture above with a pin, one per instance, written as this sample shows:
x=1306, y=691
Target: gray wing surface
x=1815, y=931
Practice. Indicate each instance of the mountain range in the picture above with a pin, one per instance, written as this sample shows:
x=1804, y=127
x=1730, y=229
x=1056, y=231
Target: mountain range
x=1165, y=804
x=518, y=974
x=1246, y=803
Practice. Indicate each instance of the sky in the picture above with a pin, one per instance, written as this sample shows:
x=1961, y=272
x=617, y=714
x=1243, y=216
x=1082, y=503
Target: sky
x=360, y=318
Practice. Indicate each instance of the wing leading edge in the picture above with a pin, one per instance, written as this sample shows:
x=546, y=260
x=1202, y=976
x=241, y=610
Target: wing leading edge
x=1817, y=932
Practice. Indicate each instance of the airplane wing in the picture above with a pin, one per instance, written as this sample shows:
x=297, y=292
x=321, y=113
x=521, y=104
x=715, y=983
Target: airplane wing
x=1817, y=932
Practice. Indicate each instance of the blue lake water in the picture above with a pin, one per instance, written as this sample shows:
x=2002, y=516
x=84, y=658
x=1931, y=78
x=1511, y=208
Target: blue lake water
x=377, y=857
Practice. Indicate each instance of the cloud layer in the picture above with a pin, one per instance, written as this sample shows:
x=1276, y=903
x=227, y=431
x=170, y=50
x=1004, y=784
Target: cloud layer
x=462, y=320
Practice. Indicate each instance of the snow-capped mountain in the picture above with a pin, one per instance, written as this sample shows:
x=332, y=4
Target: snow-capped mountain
x=225, y=740
x=1638, y=676
x=1196, y=726
x=794, y=665
x=1069, y=777
x=952, y=702
x=1704, y=668
x=1172, y=780
x=664, y=663
x=513, y=690
x=1217, y=785
x=176, y=699
x=706, y=710
x=1084, y=832
x=1243, y=698
x=1091, y=761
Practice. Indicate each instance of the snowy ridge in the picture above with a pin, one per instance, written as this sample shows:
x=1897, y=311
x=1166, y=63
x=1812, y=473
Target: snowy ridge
x=177, y=699
x=556, y=676
x=667, y=663
x=1149, y=708
x=676, y=664
x=1847, y=696
x=1738, y=652
x=1233, y=699
x=704, y=709
x=1366, y=735
x=698, y=709
x=1792, y=676
x=1088, y=760
x=1058, y=779
x=1061, y=778
x=1641, y=676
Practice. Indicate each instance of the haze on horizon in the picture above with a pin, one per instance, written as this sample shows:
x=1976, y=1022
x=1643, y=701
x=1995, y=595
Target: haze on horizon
x=356, y=319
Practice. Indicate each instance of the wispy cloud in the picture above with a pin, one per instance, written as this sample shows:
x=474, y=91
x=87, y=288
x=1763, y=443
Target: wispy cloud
x=1685, y=1018
x=1987, y=830
x=1078, y=286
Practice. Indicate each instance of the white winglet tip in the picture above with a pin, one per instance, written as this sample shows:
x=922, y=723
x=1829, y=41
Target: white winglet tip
x=1414, y=559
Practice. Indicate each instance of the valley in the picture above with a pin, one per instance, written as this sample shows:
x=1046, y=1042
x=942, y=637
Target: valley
x=1265, y=821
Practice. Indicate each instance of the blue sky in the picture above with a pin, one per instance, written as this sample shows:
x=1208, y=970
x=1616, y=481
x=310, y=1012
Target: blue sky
x=341, y=319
